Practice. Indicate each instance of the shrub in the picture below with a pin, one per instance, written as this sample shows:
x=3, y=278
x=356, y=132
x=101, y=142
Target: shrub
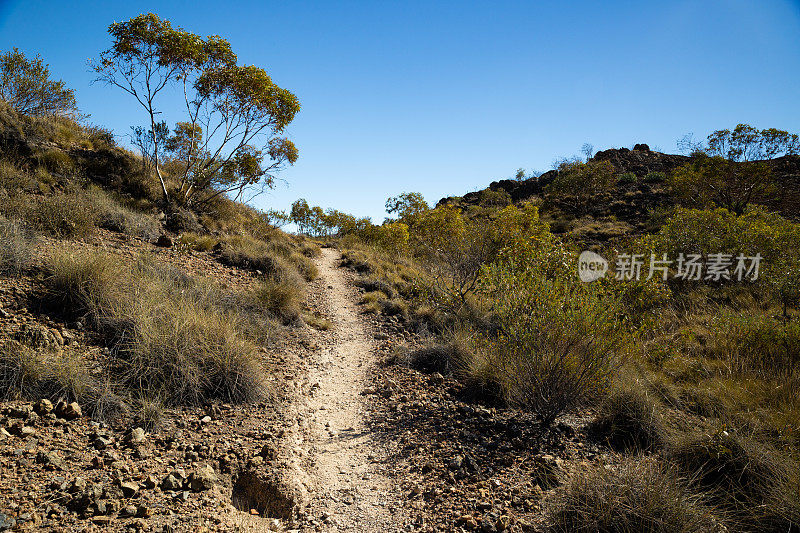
x=82, y=285
x=201, y=243
x=16, y=247
x=281, y=297
x=636, y=495
x=169, y=333
x=448, y=359
x=393, y=306
x=630, y=420
x=57, y=161
x=182, y=220
x=372, y=285
x=187, y=353
x=756, y=344
x=20, y=368
x=14, y=180
x=112, y=215
x=756, y=484
x=655, y=177
x=26, y=374
x=557, y=341
x=26, y=85
x=62, y=215
x=626, y=177
x=580, y=183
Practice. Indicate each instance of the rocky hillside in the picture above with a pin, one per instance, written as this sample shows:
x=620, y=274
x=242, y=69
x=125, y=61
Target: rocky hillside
x=633, y=200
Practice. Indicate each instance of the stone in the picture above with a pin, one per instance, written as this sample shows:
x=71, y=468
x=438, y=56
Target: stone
x=6, y=522
x=22, y=412
x=78, y=485
x=129, y=489
x=456, y=462
x=43, y=407
x=164, y=242
x=170, y=483
x=69, y=411
x=50, y=460
x=136, y=436
x=203, y=478
x=101, y=443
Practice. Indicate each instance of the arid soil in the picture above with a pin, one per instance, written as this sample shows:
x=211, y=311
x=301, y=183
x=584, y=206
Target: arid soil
x=349, y=442
x=352, y=489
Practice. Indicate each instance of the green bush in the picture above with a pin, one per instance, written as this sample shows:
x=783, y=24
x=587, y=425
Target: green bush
x=655, y=177
x=756, y=344
x=626, y=177
x=558, y=341
x=57, y=161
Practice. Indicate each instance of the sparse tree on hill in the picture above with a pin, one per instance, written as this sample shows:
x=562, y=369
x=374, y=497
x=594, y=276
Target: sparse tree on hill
x=27, y=87
x=408, y=207
x=731, y=170
x=235, y=115
x=579, y=183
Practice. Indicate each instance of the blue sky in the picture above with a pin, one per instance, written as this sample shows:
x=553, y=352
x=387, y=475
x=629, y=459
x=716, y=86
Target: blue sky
x=444, y=97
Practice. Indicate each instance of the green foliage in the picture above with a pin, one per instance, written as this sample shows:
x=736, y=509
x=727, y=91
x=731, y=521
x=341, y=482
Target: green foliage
x=708, y=181
x=580, y=183
x=626, y=177
x=756, y=344
x=694, y=231
x=730, y=171
x=746, y=143
x=408, y=206
x=242, y=112
x=654, y=177
x=558, y=341
x=26, y=85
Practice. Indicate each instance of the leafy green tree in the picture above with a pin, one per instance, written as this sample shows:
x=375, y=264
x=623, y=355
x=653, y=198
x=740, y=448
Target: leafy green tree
x=579, y=183
x=302, y=215
x=731, y=170
x=27, y=87
x=408, y=207
x=230, y=140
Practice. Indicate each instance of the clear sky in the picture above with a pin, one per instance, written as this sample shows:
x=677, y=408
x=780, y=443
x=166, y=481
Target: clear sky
x=444, y=97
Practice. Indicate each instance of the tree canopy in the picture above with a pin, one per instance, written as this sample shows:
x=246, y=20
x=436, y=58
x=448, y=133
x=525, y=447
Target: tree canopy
x=27, y=87
x=731, y=170
x=230, y=140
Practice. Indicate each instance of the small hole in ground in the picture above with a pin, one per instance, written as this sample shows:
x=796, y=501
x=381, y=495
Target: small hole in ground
x=252, y=492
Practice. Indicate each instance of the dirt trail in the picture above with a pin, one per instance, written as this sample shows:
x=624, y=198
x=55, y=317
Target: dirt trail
x=352, y=494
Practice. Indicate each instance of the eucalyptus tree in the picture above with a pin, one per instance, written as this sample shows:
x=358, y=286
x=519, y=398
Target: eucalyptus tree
x=234, y=116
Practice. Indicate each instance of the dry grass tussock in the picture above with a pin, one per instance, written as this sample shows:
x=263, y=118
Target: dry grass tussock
x=640, y=494
x=171, y=335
